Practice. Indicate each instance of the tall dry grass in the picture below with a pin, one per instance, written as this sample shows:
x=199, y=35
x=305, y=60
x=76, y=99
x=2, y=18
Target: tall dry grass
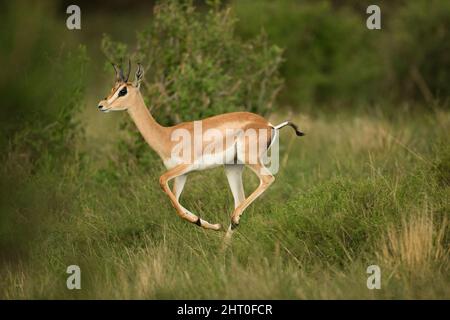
x=417, y=245
x=357, y=190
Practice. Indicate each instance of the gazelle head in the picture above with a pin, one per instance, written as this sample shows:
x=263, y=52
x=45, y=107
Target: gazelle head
x=123, y=92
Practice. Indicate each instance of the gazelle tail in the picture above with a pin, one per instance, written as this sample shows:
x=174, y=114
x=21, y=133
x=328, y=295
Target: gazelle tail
x=291, y=124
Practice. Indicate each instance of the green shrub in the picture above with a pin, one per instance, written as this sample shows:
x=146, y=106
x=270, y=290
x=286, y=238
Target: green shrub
x=196, y=67
x=441, y=166
x=418, y=44
x=42, y=88
x=332, y=58
x=330, y=54
x=53, y=129
x=42, y=85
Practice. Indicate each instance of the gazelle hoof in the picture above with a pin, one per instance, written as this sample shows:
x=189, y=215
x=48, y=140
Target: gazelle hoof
x=206, y=225
x=216, y=227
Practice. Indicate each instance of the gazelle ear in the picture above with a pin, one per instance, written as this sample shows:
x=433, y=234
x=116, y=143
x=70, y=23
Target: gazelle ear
x=138, y=76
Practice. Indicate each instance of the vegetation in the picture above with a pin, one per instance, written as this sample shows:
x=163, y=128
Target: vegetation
x=333, y=61
x=376, y=197
x=197, y=68
x=368, y=184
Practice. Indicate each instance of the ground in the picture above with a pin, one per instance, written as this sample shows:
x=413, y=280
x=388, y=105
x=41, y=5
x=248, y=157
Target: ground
x=359, y=189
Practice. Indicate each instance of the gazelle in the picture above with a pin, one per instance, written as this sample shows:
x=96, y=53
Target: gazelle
x=237, y=153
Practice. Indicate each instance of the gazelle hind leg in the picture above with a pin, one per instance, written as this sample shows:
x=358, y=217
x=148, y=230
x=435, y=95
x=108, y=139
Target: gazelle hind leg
x=234, y=176
x=265, y=180
x=182, y=212
x=178, y=187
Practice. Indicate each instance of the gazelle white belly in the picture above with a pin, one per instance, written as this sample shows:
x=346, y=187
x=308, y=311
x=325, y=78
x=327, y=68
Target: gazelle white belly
x=207, y=160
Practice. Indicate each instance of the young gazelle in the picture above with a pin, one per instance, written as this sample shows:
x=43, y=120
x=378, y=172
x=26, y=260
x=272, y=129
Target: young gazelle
x=228, y=129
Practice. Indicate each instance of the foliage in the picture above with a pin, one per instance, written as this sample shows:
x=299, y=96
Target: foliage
x=364, y=187
x=333, y=59
x=42, y=88
x=361, y=200
x=418, y=62
x=329, y=51
x=196, y=67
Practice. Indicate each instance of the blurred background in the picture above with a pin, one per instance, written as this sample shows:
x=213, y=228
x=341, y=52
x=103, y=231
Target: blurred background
x=331, y=61
x=314, y=61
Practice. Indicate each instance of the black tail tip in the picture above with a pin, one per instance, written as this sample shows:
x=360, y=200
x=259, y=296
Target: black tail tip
x=299, y=133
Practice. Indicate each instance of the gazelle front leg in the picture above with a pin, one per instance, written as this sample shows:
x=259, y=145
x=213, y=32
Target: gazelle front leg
x=182, y=212
x=178, y=186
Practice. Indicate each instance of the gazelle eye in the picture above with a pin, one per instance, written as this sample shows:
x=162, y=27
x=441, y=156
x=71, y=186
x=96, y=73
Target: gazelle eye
x=123, y=92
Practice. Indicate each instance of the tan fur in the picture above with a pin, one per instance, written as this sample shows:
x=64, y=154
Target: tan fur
x=159, y=139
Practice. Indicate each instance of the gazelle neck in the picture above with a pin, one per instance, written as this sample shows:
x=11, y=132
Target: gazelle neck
x=154, y=134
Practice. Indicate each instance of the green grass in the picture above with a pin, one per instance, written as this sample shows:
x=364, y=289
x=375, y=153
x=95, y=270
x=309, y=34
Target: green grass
x=358, y=189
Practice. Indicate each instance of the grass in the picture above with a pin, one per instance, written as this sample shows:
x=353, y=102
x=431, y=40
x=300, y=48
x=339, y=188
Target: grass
x=358, y=189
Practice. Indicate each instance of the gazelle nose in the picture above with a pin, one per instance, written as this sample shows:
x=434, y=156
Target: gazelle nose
x=100, y=106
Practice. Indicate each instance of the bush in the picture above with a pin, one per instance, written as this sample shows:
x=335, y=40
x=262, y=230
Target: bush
x=42, y=90
x=196, y=67
x=418, y=63
x=330, y=54
x=332, y=58
x=42, y=85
